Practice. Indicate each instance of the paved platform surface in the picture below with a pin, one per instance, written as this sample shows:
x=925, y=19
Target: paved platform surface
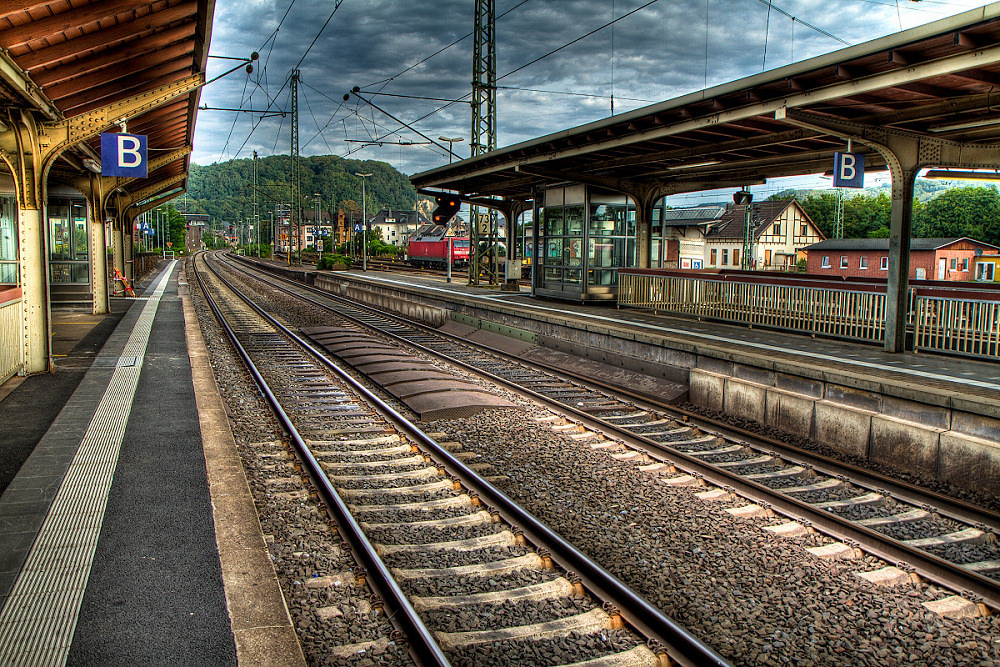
x=108, y=551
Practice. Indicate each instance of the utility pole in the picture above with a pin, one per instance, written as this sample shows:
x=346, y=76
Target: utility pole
x=484, y=123
x=295, y=214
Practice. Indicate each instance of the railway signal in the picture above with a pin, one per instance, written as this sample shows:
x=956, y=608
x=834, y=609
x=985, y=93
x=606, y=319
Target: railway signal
x=447, y=207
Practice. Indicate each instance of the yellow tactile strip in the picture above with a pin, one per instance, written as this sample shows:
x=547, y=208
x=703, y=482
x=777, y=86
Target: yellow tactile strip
x=259, y=618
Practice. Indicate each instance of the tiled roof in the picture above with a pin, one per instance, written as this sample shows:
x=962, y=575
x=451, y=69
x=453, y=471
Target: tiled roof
x=730, y=225
x=681, y=217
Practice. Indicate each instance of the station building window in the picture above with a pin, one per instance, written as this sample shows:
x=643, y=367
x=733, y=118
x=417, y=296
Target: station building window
x=8, y=241
x=68, y=241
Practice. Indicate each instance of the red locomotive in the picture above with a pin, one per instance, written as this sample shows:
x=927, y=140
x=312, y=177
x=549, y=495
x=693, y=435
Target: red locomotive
x=429, y=247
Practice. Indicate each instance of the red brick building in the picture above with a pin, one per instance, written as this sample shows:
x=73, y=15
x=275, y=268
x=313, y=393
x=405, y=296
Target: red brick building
x=930, y=259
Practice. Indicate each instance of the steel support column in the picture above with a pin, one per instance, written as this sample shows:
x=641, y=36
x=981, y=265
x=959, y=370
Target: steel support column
x=897, y=283
x=98, y=264
x=34, y=289
x=20, y=149
x=128, y=249
x=645, y=199
x=512, y=210
x=118, y=244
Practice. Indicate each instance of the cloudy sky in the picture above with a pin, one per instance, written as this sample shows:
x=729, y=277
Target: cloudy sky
x=410, y=58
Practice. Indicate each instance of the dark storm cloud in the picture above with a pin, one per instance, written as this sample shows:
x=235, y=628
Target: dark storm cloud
x=659, y=52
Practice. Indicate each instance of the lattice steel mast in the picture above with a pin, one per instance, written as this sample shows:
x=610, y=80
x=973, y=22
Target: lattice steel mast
x=484, y=124
x=296, y=184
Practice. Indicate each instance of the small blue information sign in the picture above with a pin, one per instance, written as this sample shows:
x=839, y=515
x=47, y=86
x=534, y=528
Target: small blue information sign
x=848, y=170
x=123, y=155
x=357, y=226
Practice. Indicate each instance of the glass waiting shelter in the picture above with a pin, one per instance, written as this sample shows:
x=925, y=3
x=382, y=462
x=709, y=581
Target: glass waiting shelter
x=585, y=236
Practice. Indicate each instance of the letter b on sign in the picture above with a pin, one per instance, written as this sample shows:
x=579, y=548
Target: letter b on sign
x=123, y=155
x=848, y=170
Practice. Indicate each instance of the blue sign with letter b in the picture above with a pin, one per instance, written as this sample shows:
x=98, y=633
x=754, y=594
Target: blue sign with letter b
x=123, y=155
x=848, y=170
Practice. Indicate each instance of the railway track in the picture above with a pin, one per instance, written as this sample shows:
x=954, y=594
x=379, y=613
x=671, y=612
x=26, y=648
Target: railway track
x=469, y=576
x=924, y=534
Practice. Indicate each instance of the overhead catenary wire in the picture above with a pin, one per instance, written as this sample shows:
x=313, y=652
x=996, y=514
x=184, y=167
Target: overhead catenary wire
x=778, y=9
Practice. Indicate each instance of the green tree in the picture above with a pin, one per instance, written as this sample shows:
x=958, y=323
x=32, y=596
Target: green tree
x=972, y=211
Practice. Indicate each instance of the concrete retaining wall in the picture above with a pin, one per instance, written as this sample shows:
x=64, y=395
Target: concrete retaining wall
x=430, y=315
x=926, y=440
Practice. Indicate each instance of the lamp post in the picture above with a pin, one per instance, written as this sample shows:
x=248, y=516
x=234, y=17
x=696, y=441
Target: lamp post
x=451, y=140
x=364, y=222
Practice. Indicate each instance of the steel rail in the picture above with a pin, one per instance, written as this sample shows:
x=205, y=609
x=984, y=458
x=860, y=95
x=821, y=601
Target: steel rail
x=422, y=643
x=635, y=609
x=927, y=565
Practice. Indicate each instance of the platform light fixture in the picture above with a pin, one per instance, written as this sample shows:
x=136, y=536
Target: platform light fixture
x=963, y=175
x=968, y=125
x=451, y=140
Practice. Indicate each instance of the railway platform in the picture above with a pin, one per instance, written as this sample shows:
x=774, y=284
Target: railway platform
x=128, y=533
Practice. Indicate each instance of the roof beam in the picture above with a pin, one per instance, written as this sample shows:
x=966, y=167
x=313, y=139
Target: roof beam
x=558, y=175
x=929, y=110
x=932, y=151
x=785, y=137
x=152, y=189
x=108, y=73
x=58, y=136
x=115, y=37
x=91, y=98
x=125, y=53
x=18, y=80
x=73, y=19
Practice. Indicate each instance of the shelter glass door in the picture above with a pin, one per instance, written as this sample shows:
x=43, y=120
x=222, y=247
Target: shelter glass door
x=68, y=241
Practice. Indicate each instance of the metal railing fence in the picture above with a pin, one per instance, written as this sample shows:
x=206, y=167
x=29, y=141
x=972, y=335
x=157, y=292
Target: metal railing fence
x=950, y=318
x=144, y=264
x=10, y=339
x=969, y=326
x=858, y=315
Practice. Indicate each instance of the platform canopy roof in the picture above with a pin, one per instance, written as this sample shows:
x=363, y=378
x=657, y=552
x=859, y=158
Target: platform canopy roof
x=939, y=81
x=62, y=59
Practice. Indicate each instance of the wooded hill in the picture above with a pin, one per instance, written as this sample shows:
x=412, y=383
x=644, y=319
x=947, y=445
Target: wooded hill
x=223, y=190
